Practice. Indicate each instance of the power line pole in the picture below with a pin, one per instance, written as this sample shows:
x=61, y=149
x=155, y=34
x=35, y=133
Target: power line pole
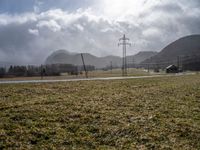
x=111, y=66
x=86, y=73
x=42, y=71
x=133, y=66
x=178, y=61
x=124, y=42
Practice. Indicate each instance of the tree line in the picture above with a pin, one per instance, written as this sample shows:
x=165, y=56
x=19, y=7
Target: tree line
x=43, y=70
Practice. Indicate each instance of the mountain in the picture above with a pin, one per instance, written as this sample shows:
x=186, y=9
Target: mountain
x=65, y=57
x=186, y=46
x=141, y=56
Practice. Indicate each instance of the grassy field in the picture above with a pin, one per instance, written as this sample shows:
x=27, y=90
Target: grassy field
x=153, y=113
x=118, y=72
x=91, y=74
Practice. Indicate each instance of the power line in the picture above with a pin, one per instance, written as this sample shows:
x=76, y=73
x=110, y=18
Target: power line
x=86, y=73
x=124, y=42
x=182, y=61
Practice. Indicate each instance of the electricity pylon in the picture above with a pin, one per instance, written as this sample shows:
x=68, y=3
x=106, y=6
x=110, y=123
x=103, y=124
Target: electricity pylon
x=124, y=42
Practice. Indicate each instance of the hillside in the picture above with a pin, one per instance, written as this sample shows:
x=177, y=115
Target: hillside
x=186, y=46
x=141, y=56
x=63, y=56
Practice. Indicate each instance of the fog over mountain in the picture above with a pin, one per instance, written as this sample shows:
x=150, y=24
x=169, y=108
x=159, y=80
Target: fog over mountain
x=66, y=57
x=31, y=30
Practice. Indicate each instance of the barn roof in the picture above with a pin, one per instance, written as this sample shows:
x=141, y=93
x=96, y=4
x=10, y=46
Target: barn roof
x=171, y=66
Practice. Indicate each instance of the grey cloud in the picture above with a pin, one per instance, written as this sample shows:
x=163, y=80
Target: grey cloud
x=170, y=8
x=32, y=39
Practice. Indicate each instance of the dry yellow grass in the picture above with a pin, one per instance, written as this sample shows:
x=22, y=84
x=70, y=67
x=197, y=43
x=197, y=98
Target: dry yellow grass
x=156, y=113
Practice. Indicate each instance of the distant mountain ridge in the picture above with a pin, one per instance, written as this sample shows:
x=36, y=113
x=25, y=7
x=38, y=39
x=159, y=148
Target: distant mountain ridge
x=140, y=56
x=66, y=57
x=185, y=46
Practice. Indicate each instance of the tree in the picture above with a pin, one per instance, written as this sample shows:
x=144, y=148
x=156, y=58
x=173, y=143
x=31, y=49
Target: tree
x=2, y=72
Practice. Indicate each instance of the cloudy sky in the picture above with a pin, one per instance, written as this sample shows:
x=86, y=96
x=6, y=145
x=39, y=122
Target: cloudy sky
x=31, y=29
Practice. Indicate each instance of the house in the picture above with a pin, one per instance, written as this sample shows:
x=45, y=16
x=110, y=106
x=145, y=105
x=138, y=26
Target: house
x=172, y=69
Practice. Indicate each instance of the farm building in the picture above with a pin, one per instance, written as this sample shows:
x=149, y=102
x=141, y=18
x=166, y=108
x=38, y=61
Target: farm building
x=172, y=69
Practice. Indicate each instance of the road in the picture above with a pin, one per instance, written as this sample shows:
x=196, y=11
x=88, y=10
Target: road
x=85, y=79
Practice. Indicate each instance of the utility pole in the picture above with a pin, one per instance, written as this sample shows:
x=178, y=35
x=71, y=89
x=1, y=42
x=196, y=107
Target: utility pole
x=43, y=71
x=86, y=73
x=124, y=42
x=111, y=66
x=133, y=66
x=178, y=61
